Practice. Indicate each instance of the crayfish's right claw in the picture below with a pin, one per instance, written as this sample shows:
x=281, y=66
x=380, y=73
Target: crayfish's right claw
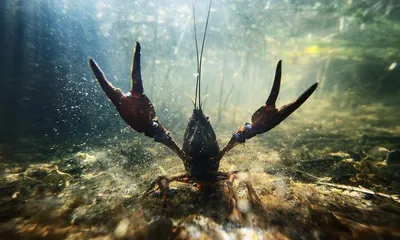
x=114, y=94
x=268, y=116
x=134, y=107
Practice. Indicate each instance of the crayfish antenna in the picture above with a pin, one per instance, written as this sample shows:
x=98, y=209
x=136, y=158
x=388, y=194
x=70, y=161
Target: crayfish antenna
x=199, y=59
x=204, y=99
x=191, y=98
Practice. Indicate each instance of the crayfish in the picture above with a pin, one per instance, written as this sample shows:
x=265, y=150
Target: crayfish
x=200, y=153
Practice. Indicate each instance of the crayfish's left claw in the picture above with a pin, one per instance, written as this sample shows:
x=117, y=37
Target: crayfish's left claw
x=268, y=116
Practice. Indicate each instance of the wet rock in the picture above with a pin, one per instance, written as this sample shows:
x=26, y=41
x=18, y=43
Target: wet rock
x=393, y=157
x=354, y=155
x=364, y=139
x=72, y=166
x=122, y=229
x=37, y=172
x=131, y=229
x=339, y=155
x=378, y=153
x=343, y=171
x=200, y=227
x=160, y=228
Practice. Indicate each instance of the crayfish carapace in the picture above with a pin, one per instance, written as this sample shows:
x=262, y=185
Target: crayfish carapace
x=200, y=152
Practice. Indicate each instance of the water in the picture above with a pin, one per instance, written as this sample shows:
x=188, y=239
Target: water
x=72, y=168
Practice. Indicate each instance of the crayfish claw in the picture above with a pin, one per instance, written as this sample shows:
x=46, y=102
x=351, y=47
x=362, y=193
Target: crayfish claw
x=288, y=109
x=276, y=86
x=268, y=116
x=114, y=94
x=135, y=107
x=136, y=72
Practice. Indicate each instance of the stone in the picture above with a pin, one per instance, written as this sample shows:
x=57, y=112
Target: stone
x=393, y=157
x=378, y=153
x=160, y=228
x=343, y=171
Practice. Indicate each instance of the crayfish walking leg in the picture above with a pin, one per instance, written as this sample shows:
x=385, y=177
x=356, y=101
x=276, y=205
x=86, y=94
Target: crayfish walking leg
x=243, y=175
x=162, y=183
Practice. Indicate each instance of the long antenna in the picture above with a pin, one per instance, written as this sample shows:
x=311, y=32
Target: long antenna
x=197, y=58
x=202, y=48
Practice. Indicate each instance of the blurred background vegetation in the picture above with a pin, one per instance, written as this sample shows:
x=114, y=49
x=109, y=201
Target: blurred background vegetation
x=50, y=99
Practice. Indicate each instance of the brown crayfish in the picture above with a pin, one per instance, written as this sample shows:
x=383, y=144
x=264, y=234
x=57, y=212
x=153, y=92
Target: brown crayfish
x=200, y=152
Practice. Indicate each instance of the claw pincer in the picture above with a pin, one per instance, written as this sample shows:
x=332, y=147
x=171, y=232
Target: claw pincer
x=268, y=116
x=135, y=107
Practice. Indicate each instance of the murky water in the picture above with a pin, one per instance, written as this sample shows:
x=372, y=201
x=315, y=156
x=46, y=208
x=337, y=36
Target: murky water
x=72, y=168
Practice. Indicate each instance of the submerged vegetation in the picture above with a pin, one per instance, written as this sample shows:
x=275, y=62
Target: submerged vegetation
x=71, y=169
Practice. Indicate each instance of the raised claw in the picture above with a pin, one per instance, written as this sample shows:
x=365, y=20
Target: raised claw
x=268, y=116
x=134, y=107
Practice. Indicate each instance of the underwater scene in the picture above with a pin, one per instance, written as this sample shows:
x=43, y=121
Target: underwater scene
x=223, y=119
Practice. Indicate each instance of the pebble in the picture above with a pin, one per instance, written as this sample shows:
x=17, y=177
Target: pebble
x=160, y=228
x=393, y=157
x=122, y=228
x=344, y=170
